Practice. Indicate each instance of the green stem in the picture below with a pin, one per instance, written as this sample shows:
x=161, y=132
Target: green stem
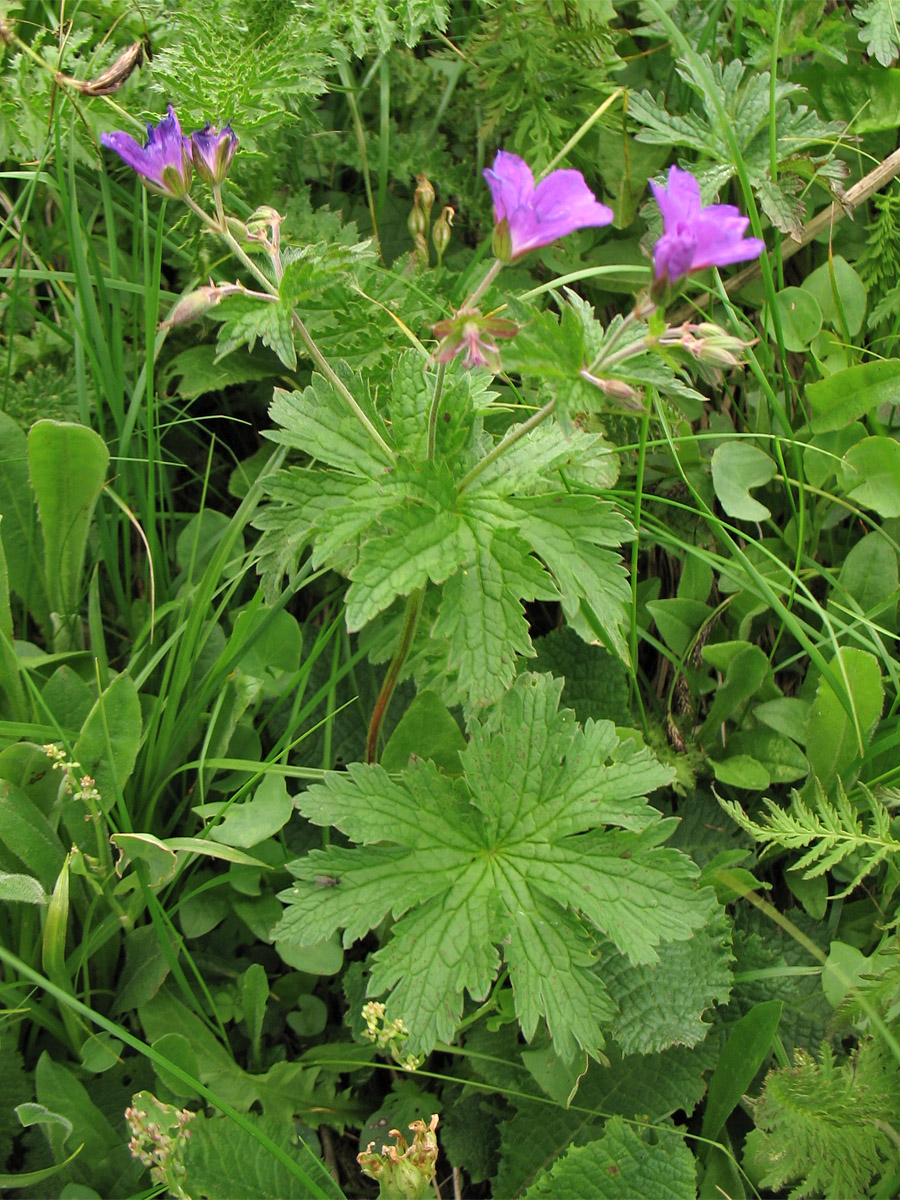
x=635, y=551
x=341, y=388
x=492, y=272
x=435, y=409
x=410, y=621
x=305, y=336
x=359, y=130
x=511, y=438
x=604, y=358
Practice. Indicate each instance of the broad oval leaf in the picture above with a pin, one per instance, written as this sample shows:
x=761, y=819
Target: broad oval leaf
x=736, y=468
x=848, y=395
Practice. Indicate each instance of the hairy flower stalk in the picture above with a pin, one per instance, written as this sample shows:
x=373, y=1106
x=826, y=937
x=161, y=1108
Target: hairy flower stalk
x=388, y=687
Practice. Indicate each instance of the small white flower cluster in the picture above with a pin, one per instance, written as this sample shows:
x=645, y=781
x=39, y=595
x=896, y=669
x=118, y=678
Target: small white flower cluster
x=389, y=1035
x=77, y=785
x=158, y=1144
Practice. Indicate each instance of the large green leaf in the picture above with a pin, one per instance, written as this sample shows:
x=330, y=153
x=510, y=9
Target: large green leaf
x=224, y=1162
x=68, y=465
x=545, y=841
x=848, y=395
x=21, y=533
x=836, y=740
x=871, y=473
x=108, y=743
x=736, y=468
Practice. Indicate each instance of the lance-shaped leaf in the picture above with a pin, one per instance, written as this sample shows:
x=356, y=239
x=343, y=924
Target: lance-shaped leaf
x=546, y=842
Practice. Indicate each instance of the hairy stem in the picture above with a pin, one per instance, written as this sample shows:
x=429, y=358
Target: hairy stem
x=341, y=388
x=490, y=275
x=306, y=337
x=510, y=440
x=410, y=621
x=603, y=359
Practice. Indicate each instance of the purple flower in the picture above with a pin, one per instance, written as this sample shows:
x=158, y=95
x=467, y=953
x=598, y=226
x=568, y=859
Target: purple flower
x=529, y=217
x=164, y=163
x=695, y=237
x=212, y=151
x=475, y=334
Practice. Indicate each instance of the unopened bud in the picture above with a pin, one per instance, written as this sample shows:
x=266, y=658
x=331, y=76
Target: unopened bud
x=264, y=221
x=616, y=389
x=196, y=304
x=707, y=343
x=417, y=222
x=424, y=194
x=440, y=234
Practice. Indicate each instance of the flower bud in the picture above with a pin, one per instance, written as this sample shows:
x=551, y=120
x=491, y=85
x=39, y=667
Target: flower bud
x=416, y=222
x=616, y=389
x=195, y=304
x=263, y=222
x=212, y=152
x=440, y=234
x=424, y=194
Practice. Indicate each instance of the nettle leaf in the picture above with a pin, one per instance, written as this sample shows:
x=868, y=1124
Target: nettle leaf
x=646, y=1086
x=515, y=858
x=663, y=1004
x=622, y=1164
x=245, y=319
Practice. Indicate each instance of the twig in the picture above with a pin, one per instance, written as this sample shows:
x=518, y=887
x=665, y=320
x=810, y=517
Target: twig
x=457, y=1188
x=852, y=198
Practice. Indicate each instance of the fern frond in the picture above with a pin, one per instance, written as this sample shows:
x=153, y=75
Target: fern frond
x=830, y=831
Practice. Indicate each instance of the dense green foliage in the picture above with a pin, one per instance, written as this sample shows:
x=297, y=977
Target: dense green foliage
x=428, y=688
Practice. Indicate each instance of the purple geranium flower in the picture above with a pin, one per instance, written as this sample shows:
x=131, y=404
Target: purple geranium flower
x=212, y=151
x=164, y=163
x=529, y=217
x=695, y=237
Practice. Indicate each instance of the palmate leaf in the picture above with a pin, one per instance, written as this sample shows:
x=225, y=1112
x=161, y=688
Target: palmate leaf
x=244, y=320
x=514, y=859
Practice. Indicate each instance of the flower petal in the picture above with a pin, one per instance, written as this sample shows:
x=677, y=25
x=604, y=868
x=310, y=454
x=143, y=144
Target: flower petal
x=511, y=183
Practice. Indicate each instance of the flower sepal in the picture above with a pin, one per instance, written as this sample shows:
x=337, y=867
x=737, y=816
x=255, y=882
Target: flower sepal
x=469, y=331
x=197, y=303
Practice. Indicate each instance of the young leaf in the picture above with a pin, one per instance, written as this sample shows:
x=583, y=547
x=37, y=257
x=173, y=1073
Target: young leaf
x=245, y=319
x=517, y=853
